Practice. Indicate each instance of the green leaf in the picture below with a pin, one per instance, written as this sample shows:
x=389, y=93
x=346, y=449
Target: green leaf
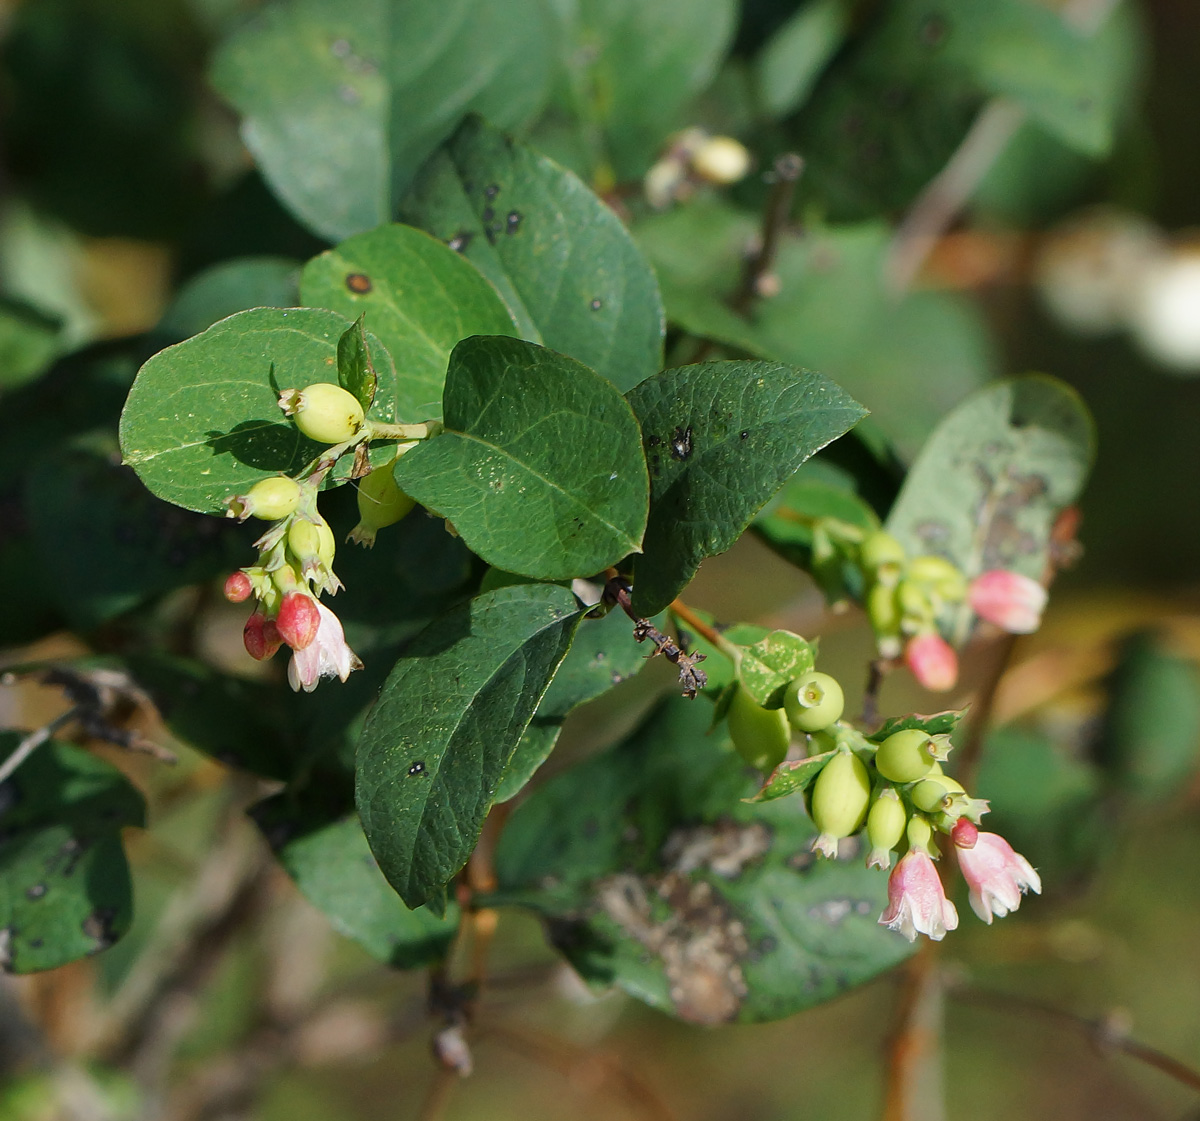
x=29, y=342
x=64, y=882
x=227, y=288
x=769, y=664
x=126, y=546
x=342, y=100
x=202, y=422
x=789, y=777
x=604, y=654
x=419, y=297
x=638, y=65
x=1148, y=741
x=936, y=724
x=333, y=867
x=540, y=467
x=831, y=284
x=653, y=874
x=356, y=371
x=721, y=438
x=559, y=257
x=790, y=64
x=447, y=722
x=986, y=489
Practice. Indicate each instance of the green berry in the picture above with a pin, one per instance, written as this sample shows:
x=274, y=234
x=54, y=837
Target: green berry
x=886, y=822
x=929, y=795
x=269, y=499
x=813, y=702
x=761, y=735
x=840, y=797
x=883, y=610
x=920, y=835
x=881, y=549
x=380, y=503
x=325, y=412
x=905, y=756
x=939, y=575
x=915, y=605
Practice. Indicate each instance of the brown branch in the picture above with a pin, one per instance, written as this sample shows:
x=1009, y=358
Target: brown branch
x=788, y=169
x=681, y=610
x=691, y=677
x=913, y=1090
x=1105, y=1033
x=605, y=1068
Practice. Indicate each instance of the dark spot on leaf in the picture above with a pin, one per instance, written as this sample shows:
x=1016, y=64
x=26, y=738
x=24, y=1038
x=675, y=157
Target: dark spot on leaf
x=417, y=768
x=35, y=943
x=513, y=222
x=359, y=283
x=596, y=304
x=491, y=191
x=745, y=433
x=35, y=891
x=488, y=214
x=460, y=241
x=590, y=828
x=768, y=944
x=99, y=927
x=681, y=443
x=653, y=441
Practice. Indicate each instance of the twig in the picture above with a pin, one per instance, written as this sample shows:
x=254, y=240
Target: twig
x=570, y=1061
x=35, y=740
x=681, y=611
x=437, y=1097
x=788, y=169
x=913, y=1089
x=969, y=755
x=1106, y=1033
x=877, y=672
x=949, y=191
x=691, y=677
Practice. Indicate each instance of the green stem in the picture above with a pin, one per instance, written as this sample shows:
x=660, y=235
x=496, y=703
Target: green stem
x=378, y=430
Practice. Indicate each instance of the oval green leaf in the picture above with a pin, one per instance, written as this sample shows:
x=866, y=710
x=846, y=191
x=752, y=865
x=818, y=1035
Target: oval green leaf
x=540, y=467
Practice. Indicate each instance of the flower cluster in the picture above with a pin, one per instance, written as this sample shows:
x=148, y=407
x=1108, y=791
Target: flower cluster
x=295, y=566
x=896, y=788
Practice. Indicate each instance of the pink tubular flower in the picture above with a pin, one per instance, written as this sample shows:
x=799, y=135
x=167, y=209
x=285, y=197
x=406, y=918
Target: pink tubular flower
x=995, y=874
x=327, y=655
x=1012, y=601
x=932, y=661
x=917, y=902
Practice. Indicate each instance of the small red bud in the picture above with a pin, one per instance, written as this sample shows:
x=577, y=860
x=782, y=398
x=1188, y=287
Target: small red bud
x=964, y=834
x=261, y=637
x=238, y=588
x=298, y=620
x=932, y=661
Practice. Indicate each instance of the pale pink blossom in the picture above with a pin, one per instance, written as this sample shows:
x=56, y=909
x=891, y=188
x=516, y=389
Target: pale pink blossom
x=327, y=655
x=995, y=875
x=1013, y=602
x=917, y=902
x=932, y=661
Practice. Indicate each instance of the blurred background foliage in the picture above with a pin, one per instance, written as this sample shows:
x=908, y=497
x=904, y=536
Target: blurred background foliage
x=127, y=201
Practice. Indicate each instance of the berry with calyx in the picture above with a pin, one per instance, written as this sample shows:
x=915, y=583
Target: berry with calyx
x=841, y=796
x=269, y=500
x=381, y=503
x=813, y=702
x=761, y=735
x=920, y=836
x=886, y=821
x=905, y=756
x=298, y=620
x=323, y=411
x=931, y=795
x=261, y=637
x=238, y=588
x=882, y=556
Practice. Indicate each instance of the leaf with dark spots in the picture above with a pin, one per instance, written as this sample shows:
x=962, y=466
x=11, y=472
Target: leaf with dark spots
x=704, y=494
x=986, y=489
x=653, y=873
x=561, y=259
x=64, y=882
x=458, y=701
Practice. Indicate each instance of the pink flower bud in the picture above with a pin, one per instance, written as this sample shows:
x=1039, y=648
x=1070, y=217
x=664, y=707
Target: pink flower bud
x=1012, y=601
x=964, y=833
x=298, y=620
x=917, y=902
x=995, y=874
x=238, y=588
x=261, y=637
x=932, y=661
